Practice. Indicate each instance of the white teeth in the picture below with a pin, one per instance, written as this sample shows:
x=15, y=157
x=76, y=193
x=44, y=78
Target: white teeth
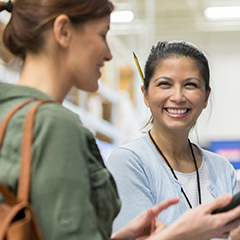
x=177, y=111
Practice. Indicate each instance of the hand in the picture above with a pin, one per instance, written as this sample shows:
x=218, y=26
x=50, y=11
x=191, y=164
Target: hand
x=235, y=234
x=145, y=224
x=200, y=224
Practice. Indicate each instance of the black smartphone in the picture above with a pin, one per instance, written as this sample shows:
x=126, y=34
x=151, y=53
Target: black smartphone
x=234, y=203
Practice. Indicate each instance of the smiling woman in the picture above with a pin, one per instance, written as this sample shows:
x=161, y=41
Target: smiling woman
x=72, y=194
x=176, y=94
x=164, y=163
x=89, y=50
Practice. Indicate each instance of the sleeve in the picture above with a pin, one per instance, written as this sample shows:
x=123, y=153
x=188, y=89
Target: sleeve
x=229, y=176
x=132, y=183
x=60, y=190
x=234, y=181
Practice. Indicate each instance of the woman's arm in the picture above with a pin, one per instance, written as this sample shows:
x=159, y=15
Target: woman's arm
x=60, y=185
x=145, y=224
x=132, y=184
x=196, y=224
x=200, y=224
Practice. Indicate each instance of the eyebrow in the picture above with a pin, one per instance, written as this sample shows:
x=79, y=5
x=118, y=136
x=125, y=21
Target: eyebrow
x=170, y=79
x=166, y=78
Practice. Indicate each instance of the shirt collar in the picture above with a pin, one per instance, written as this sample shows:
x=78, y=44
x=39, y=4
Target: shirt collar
x=16, y=91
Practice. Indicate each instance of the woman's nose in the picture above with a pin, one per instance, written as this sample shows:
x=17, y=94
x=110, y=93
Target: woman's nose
x=108, y=55
x=177, y=95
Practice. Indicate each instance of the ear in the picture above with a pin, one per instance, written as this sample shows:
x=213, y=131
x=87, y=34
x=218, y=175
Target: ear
x=145, y=96
x=62, y=30
x=207, y=97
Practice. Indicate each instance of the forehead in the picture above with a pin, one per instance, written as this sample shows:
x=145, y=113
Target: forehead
x=176, y=61
x=179, y=65
x=97, y=24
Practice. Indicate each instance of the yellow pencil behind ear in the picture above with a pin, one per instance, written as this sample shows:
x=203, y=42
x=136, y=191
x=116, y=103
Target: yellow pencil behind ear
x=138, y=67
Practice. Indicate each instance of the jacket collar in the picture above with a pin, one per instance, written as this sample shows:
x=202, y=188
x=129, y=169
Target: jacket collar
x=10, y=91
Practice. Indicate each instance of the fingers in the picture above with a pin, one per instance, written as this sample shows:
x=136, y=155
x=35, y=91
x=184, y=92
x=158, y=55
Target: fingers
x=159, y=225
x=232, y=225
x=219, y=202
x=235, y=233
x=232, y=217
x=227, y=221
x=225, y=230
x=145, y=223
x=163, y=205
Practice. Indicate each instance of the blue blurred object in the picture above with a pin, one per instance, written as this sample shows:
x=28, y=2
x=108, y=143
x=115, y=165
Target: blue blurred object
x=228, y=149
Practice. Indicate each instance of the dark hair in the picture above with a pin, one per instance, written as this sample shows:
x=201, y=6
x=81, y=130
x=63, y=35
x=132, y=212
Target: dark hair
x=165, y=50
x=30, y=18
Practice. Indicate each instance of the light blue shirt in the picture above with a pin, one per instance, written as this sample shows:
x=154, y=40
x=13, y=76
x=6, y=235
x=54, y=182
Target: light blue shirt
x=143, y=180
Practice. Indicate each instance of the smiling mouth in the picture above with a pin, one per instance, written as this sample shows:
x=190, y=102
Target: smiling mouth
x=100, y=66
x=177, y=111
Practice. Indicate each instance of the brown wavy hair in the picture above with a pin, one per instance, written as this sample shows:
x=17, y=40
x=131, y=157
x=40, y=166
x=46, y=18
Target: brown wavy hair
x=30, y=18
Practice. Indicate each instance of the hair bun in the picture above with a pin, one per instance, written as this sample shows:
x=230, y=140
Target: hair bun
x=9, y=6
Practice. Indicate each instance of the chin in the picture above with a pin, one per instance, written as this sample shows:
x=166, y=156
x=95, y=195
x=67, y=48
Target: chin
x=93, y=88
x=178, y=128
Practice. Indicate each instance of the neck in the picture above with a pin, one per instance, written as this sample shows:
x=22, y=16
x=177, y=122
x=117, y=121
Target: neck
x=177, y=151
x=172, y=154
x=45, y=75
x=171, y=142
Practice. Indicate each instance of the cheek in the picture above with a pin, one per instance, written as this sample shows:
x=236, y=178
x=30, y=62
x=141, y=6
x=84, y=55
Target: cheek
x=199, y=101
x=159, y=97
x=155, y=103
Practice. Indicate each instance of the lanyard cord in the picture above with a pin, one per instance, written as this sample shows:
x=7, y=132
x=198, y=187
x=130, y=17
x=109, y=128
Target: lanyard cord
x=194, y=159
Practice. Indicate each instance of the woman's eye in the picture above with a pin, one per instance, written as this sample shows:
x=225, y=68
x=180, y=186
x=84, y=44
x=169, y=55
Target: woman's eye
x=104, y=36
x=191, y=84
x=163, y=84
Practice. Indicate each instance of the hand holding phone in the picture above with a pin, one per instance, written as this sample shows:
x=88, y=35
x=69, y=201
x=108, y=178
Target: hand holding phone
x=234, y=203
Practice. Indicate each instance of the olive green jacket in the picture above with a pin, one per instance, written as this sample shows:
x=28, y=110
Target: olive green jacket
x=72, y=194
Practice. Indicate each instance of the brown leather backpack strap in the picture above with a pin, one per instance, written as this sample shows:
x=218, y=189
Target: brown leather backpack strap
x=25, y=149
x=8, y=117
x=8, y=196
x=8, y=213
x=26, y=153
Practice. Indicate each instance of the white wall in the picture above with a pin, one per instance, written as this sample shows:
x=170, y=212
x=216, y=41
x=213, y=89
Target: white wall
x=224, y=57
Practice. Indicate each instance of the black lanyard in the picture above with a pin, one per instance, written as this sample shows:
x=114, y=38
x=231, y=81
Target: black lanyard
x=198, y=178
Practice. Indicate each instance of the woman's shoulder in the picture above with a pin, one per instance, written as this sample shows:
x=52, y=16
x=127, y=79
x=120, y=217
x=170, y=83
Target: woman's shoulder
x=214, y=157
x=209, y=153
x=54, y=112
x=135, y=151
x=57, y=119
x=136, y=145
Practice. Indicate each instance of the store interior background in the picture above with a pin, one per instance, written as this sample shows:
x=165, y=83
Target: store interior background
x=116, y=113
